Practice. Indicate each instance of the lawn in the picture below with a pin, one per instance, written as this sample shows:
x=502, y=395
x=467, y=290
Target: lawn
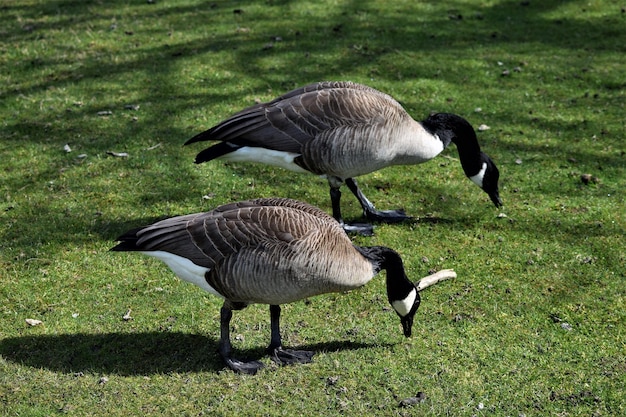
x=97, y=98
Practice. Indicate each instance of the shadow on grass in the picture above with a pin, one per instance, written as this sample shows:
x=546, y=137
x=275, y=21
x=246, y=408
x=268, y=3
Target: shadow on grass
x=135, y=353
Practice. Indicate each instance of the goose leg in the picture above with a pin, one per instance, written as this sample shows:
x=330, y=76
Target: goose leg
x=277, y=353
x=225, y=347
x=370, y=212
x=335, y=196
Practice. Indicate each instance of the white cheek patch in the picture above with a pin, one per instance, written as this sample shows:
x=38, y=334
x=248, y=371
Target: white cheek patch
x=185, y=269
x=403, y=307
x=478, y=178
x=265, y=156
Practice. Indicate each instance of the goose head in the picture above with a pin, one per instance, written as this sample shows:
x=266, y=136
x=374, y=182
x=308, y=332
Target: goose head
x=477, y=165
x=406, y=309
x=487, y=179
x=401, y=293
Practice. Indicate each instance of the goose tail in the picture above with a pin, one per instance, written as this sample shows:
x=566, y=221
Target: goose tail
x=200, y=137
x=128, y=242
x=215, y=151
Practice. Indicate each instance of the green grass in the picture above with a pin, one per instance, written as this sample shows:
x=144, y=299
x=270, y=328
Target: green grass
x=534, y=323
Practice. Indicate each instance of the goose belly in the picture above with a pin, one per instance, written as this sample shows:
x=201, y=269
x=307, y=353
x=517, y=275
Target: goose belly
x=266, y=156
x=185, y=269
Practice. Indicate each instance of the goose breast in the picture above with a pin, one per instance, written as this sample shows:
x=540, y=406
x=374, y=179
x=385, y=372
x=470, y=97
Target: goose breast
x=367, y=130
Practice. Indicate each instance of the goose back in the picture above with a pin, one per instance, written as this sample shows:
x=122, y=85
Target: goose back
x=341, y=129
x=270, y=251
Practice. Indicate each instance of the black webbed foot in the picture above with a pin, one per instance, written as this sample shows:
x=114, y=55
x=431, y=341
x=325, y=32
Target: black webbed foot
x=291, y=357
x=387, y=216
x=249, y=368
x=370, y=212
x=363, y=229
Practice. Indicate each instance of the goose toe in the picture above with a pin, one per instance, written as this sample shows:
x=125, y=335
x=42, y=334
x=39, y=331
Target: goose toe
x=387, y=216
x=291, y=357
x=363, y=229
x=249, y=368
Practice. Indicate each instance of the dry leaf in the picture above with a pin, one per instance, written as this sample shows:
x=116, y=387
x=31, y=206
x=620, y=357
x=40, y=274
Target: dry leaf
x=34, y=322
x=118, y=154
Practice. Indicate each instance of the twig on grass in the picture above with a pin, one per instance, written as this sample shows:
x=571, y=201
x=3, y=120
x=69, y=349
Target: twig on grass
x=435, y=278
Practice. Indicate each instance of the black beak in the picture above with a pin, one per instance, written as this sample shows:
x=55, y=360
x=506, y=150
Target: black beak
x=407, y=325
x=495, y=197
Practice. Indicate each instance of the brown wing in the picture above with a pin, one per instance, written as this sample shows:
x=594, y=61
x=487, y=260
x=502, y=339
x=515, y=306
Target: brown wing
x=291, y=120
x=279, y=202
x=207, y=238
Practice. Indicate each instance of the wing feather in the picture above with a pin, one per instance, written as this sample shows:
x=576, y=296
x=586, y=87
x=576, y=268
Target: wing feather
x=208, y=238
x=299, y=116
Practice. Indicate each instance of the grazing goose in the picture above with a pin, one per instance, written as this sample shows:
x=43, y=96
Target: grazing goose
x=342, y=130
x=271, y=251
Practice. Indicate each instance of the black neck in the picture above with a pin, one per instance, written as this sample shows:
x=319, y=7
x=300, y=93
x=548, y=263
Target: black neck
x=469, y=154
x=381, y=257
x=452, y=128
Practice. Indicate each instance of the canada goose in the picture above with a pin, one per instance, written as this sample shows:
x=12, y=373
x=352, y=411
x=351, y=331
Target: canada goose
x=271, y=251
x=342, y=130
